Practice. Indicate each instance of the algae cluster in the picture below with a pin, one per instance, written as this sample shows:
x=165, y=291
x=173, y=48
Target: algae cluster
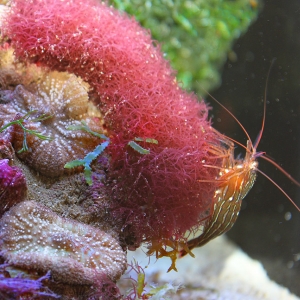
x=197, y=36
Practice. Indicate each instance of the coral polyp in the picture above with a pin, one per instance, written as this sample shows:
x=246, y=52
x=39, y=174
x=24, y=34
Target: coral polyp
x=35, y=238
x=62, y=99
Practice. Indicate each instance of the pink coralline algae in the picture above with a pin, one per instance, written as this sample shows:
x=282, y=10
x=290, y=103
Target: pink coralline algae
x=35, y=238
x=158, y=196
x=12, y=186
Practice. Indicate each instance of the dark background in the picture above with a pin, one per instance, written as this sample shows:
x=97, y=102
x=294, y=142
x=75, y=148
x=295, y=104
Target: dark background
x=262, y=230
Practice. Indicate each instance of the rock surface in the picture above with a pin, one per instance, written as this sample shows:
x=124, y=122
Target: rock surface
x=219, y=271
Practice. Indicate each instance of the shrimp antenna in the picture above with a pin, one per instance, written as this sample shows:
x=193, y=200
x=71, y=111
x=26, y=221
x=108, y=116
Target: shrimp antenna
x=235, y=118
x=257, y=141
x=253, y=146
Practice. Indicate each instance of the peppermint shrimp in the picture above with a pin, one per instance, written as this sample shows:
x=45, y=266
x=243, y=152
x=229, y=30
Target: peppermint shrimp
x=236, y=178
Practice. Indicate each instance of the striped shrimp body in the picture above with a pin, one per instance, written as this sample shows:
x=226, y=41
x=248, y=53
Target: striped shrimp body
x=236, y=179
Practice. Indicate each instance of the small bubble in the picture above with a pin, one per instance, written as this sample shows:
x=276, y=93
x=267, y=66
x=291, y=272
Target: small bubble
x=288, y=216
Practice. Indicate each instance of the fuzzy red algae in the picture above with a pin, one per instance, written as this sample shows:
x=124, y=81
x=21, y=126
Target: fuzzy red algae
x=161, y=194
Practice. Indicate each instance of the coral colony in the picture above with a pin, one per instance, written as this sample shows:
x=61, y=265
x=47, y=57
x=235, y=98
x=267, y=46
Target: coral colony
x=101, y=150
x=33, y=234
